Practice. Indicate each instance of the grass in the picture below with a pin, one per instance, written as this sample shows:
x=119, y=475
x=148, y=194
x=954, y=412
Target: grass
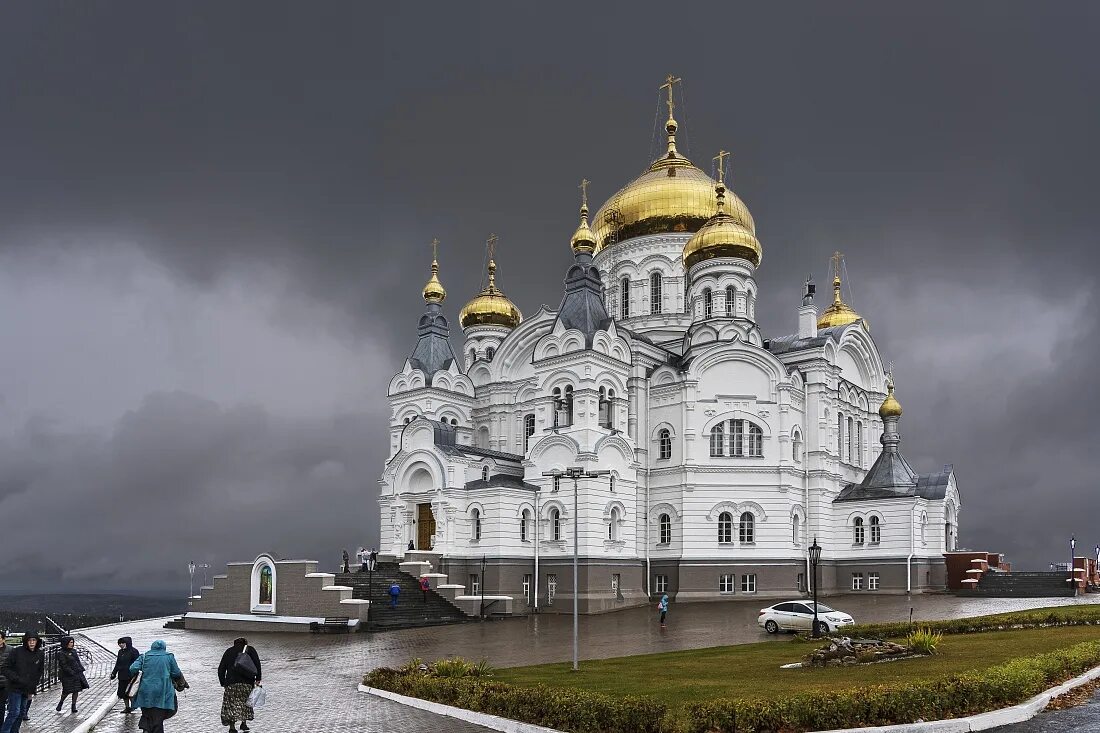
x=752, y=670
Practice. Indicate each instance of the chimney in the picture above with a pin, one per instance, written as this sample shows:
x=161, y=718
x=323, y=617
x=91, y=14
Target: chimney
x=807, y=314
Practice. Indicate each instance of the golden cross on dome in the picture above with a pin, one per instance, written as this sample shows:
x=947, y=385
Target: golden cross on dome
x=890, y=373
x=721, y=158
x=836, y=264
x=491, y=244
x=584, y=192
x=668, y=85
x=435, y=249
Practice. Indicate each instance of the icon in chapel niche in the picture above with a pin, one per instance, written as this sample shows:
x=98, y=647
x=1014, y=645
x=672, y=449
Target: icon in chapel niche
x=265, y=585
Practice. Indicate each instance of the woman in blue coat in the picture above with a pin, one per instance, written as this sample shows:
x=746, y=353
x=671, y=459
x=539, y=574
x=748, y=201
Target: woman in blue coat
x=156, y=694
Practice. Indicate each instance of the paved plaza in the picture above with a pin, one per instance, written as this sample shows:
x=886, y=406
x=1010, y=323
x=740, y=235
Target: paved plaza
x=311, y=679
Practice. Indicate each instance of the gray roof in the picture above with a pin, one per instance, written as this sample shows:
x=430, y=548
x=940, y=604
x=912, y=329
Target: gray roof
x=932, y=486
x=793, y=342
x=433, y=352
x=504, y=480
x=445, y=438
x=582, y=306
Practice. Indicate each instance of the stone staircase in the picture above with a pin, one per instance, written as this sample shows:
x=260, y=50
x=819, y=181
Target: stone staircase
x=411, y=609
x=1022, y=585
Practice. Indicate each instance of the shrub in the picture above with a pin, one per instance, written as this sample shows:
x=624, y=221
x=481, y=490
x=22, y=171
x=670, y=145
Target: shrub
x=923, y=641
x=1086, y=615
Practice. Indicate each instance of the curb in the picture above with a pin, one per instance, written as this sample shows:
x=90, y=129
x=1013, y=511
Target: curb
x=981, y=721
x=100, y=713
x=485, y=720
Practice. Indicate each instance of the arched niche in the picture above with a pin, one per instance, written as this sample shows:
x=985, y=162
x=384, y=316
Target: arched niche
x=264, y=585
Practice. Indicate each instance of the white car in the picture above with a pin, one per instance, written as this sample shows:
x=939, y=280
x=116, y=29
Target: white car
x=799, y=616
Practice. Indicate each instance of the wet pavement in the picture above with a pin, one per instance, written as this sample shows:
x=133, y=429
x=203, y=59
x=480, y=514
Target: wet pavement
x=311, y=679
x=1081, y=719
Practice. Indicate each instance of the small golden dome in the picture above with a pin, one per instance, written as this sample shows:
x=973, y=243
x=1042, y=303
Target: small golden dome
x=890, y=407
x=584, y=239
x=433, y=291
x=671, y=196
x=839, y=313
x=490, y=307
x=722, y=236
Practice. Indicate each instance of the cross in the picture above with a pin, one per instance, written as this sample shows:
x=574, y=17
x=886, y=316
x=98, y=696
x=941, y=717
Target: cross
x=721, y=158
x=668, y=85
x=584, y=191
x=836, y=264
x=435, y=249
x=890, y=373
x=491, y=244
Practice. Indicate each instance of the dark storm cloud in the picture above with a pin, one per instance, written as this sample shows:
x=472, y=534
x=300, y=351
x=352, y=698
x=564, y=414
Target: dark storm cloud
x=947, y=149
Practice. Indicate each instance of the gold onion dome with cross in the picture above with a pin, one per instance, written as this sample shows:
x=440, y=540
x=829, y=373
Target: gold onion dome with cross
x=672, y=195
x=839, y=313
x=723, y=235
x=490, y=307
x=433, y=291
x=890, y=406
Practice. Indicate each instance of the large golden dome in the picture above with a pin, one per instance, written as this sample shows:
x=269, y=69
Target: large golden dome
x=671, y=196
x=490, y=307
x=722, y=236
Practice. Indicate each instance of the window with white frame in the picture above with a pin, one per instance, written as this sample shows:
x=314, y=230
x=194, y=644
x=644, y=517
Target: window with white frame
x=528, y=430
x=624, y=298
x=708, y=303
x=664, y=524
x=857, y=581
x=872, y=581
x=796, y=447
x=475, y=518
x=747, y=528
x=857, y=531
x=490, y=353
x=527, y=581
x=796, y=530
x=613, y=524
x=475, y=584
x=555, y=524
x=800, y=582
x=725, y=583
x=557, y=483
x=851, y=442
x=611, y=482
x=524, y=523
x=660, y=584
x=655, y=293
x=484, y=473
x=731, y=297
x=725, y=527
x=664, y=441
x=876, y=530
x=756, y=441
x=717, y=441
x=737, y=437
x=746, y=439
x=568, y=404
x=748, y=583
x=840, y=436
x=859, y=444
x=551, y=588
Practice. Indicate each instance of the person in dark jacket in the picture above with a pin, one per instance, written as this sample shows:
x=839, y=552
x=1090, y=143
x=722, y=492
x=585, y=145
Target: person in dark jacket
x=22, y=670
x=238, y=682
x=127, y=655
x=71, y=671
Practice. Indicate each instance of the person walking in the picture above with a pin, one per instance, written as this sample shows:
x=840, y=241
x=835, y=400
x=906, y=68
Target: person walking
x=425, y=586
x=71, y=671
x=347, y=561
x=395, y=591
x=4, y=649
x=373, y=558
x=22, y=671
x=662, y=606
x=156, y=693
x=238, y=673
x=127, y=655
x=361, y=556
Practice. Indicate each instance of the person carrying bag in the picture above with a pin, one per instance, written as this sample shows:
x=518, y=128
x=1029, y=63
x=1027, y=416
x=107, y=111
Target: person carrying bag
x=240, y=675
x=153, y=687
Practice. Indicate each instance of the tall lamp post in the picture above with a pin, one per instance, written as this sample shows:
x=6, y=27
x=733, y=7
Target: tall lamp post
x=1072, y=552
x=191, y=572
x=576, y=473
x=815, y=558
x=1096, y=567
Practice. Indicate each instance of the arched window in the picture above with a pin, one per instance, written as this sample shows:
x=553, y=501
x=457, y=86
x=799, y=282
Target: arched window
x=555, y=524
x=717, y=441
x=664, y=523
x=876, y=531
x=747, y=528
x=484, y=473
x=605, y=410
x=473, y=356
x=756, y=441
x=851, y=441
x=737, y=437
x=528, y=430
x=611, y=482
x=624, y=298
x=524, y=520
x=857, y=527
x=655, y=293
x=664, y=440
x=613, y=524
x=746, y=439
x=840, y=436
x=475, y=517
x=796, y=447
x=568, y=404
x=556, y=394
x=490, y=353
x=708, y=303
x=796, y=525
x=859, y=444
x=731, y=298
x=454, y=421
x=557, y=483
x=725, y=527
x=923, y=529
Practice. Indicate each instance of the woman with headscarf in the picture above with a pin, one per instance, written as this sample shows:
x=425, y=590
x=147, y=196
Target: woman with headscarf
x=71, y=671
x=156, y=694
x=238, y=677
x=127, y=655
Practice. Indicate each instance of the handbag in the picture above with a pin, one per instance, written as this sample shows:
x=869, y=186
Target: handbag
x=244, y=665
x=257, y=698
x=135, y=682
x=180, y=683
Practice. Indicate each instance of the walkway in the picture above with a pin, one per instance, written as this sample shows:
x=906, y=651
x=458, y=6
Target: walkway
x=1081, y=719
x=311, y=679
x=45, y=719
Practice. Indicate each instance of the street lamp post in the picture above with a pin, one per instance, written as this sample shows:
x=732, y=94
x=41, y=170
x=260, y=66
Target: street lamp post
x=576, y=473
x=815, y=558
x=191, y=572
x=1072, y=552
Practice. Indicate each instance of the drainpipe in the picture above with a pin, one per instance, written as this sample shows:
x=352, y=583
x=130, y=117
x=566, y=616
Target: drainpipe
x=912, y=551
x=537, y=520
x=806, y=480
x=645, y=441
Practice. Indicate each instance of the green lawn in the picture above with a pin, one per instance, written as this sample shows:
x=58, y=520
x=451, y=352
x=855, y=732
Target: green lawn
x=752, y=670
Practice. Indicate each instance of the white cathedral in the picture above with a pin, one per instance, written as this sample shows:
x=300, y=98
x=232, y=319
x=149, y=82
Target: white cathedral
x=713, y=456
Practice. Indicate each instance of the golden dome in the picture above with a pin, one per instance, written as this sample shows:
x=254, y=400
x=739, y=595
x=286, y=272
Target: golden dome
x=722, y=236
x=490, y=307
x=890, y=406
x=839, y=313
x=584, y=240
x=433, y=291
x=671, y=196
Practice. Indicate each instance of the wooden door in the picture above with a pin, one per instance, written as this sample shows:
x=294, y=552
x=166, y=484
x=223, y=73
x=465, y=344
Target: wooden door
x=425, y=526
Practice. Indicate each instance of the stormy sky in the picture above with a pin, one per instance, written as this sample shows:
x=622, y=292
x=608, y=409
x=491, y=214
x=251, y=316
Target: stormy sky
x=214, y=227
